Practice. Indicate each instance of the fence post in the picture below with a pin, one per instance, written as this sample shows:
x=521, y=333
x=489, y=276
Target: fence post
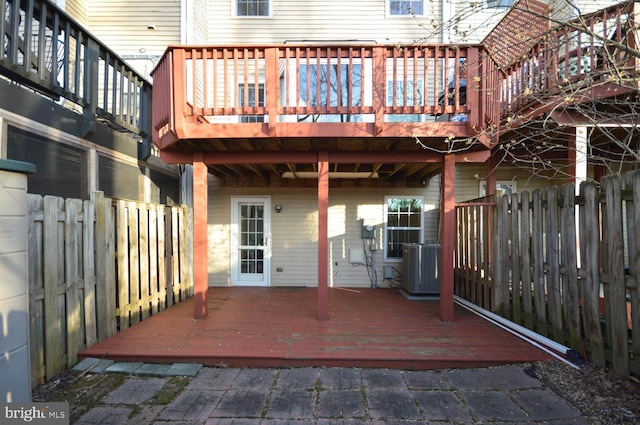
x=539, y=288
x=554, y=301
x=571, y=295
x=105, y=273
x=633, y=231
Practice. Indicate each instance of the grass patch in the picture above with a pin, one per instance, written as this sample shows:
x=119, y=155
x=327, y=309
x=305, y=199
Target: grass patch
x=171, y=389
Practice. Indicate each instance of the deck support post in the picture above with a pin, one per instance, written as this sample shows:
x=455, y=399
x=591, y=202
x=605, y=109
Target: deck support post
x=448, y=233
x=492, y=165
x=200, y=238
x=323, y=244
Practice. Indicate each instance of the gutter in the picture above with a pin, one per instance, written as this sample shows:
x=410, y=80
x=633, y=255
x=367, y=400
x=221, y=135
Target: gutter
x=551, y=347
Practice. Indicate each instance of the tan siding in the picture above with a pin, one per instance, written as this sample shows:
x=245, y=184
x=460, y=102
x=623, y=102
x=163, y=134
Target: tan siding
x=294, y=233
x=475, y=21
x=200, y=23
x=468, y=179
x=77, y=9
x=316, y=20
x=124, y=27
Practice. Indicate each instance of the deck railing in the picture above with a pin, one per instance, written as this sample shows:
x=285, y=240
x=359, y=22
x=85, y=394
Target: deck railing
x=585, y=53
x=45, y=49
x=313, y=83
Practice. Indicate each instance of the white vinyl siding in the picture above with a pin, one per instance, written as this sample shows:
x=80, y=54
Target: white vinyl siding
x=468, y=177
x=195, y=22
x=77, y=9
x=138, y=31
x=330, y=20
x=475, y=21
x=294, y=232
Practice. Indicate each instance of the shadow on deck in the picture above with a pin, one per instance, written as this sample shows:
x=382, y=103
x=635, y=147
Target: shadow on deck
x=263, y=327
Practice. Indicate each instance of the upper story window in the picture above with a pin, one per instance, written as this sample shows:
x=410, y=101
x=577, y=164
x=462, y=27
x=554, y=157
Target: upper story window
x=499, y=3
x=252, y=8
x=406, y=7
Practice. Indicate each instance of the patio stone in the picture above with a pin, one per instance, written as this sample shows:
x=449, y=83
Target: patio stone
x=392, y=404
x=487, y=405
x=340, y=378
x=184, y=369
x=242, y=404
x=544, y=405
x=442, y=406
x=106, y=415
x=85, y=364
x=343, y=404
x=124, y=367
x=298, y=378
x=292, y=404
x=383, y=378
x=135, y=391
x=425, y=380
x=256, y=379
x=469, y=379
x=212, y=378
x=152, y=369
x=512, y=377
x=192, y=406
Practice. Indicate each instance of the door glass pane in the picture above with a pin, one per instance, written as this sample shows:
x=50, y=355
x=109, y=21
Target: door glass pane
x=251, y=238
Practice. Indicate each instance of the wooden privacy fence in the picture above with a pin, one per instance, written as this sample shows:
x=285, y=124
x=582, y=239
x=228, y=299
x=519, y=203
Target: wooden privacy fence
x=565, y=266
x=97, y=267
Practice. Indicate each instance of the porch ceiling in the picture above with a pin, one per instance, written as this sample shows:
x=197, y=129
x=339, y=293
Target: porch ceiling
x=398, y=162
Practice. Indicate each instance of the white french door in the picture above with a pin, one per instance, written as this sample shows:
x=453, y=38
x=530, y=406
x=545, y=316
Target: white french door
x=250, y=233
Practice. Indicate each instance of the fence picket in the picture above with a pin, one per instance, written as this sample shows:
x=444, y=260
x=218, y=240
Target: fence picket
x=52, y=319
x=633, y=230
x=72, y=290
x=122, y=232
x=590, y=257
x=570, y=294
x=90, y=325
x=616, y=301
x=539, y=287
x=554, y=306
x=525, y=254
x=516, y=259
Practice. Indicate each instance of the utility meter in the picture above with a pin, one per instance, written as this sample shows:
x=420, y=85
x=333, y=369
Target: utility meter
x=368, y=231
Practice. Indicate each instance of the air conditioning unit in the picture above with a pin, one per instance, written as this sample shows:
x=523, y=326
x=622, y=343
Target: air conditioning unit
x=421, y=269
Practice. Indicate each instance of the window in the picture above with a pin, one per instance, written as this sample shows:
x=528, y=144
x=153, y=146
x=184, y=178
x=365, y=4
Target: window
x=248, y=98
x=508, y=187
x=330, y=85
x=252, y=8
x=406, y=7
x=413, y=98
x=499, y=3
x=404, y=218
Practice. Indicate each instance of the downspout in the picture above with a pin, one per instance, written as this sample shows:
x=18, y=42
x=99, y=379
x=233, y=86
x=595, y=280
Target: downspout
x=551, y=347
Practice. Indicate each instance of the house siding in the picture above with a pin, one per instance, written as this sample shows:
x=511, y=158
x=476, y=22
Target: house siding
x=197, y=25
x=318, y=20
x=294, y=233
x=77, y=9
x=560, y=12
x=141, y=34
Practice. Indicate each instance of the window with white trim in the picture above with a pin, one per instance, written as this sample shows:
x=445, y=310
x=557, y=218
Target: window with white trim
x=250, y=97
x=406, y=7
x=248, y=8
x=507, y=187
x=404, y=224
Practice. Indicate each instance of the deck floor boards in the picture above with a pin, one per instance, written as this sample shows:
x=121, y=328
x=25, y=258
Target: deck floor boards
x=261, y=327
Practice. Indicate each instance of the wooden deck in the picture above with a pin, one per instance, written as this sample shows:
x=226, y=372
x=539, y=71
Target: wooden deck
x=263, y=327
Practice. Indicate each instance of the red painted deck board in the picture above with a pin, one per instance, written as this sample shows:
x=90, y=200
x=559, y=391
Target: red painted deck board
x=366, y=328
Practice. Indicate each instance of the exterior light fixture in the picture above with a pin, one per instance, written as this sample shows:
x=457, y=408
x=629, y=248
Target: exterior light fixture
x=278, y=208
